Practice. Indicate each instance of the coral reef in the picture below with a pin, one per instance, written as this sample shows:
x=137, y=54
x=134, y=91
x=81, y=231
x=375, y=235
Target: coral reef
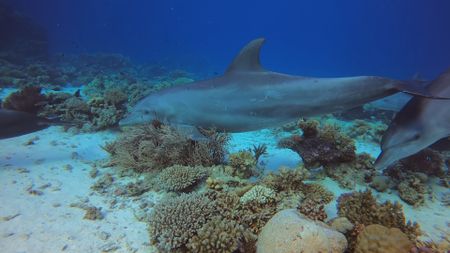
x=362, y=208
x=180, y=178
x=258, y=195
x=175, y=221
x=320, y=146
x=149, y=147
x=243, y=164
x=28, y=99
x=221, y=236
x=410, y=175
x=380, y=239
x=341, y=224
x=301, y=233
x=286, y=180
x=366, y=131
x=312, y=210
x=348, y=174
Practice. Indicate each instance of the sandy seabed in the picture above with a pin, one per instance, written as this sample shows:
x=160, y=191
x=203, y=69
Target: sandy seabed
x=43, y=174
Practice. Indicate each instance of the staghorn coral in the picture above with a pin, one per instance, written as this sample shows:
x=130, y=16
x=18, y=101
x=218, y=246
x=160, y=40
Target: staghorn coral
x=221, y=236
x=258, y=194
x=154, y=147
x=313, y=210
x=176, y=220
x=243, y=164
x=380, y=239
x=362, y=208
x=180, y=178
x=320, y=146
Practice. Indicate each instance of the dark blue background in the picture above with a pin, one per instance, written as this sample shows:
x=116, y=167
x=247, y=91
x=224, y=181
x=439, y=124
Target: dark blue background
x=322, y=38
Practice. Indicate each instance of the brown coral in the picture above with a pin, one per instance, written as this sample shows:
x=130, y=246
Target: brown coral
x=176, y=220
x=221, y=236
x=243, y=164
x=312, y=210
x=320, y=146
x=147, y=148
x=362, y=208
x=380, y=239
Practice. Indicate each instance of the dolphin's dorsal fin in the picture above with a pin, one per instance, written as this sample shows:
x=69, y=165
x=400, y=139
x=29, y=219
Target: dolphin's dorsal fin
x=248, y=58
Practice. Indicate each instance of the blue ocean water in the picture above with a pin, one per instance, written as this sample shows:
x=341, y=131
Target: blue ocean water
x=317, y=38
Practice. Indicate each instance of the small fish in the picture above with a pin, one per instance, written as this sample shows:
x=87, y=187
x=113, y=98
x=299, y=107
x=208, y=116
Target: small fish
x=16, y=123
x=248, y=97
x=422, y=122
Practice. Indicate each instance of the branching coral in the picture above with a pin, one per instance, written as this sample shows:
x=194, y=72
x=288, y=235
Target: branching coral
x=149, y=147
x=348, y=174
x=258, y=195
x=312, y=210
x=288, y=180
x=221, y=236
x=362, y=208
x=180, y=178
x=243, y=164
x=320, y=146
x=175, y=221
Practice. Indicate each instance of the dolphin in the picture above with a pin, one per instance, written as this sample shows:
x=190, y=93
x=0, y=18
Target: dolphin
x=422, y=122
x=247, y=97
x=17, y=123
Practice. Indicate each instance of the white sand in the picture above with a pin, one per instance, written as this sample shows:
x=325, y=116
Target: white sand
x=47, y=223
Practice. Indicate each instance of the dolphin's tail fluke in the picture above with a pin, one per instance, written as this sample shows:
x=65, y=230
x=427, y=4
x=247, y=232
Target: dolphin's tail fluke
x=418, y=87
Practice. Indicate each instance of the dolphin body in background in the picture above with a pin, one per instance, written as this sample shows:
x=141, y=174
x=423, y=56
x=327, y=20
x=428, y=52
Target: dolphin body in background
x=247, y=97
x=422, y=122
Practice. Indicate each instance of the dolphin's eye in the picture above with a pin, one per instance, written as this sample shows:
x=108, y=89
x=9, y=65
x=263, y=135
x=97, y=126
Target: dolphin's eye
x=146, y=112
x=416, y=136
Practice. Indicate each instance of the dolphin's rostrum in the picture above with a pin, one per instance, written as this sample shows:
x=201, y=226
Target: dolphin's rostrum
x=248, y=97
x=422, y=122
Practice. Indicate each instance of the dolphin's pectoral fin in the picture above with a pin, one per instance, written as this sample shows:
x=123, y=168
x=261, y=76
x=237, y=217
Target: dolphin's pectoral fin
x=248, y=58
x=416, y=90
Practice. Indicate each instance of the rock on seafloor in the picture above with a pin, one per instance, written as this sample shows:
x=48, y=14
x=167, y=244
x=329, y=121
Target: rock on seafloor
x=290, y=232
